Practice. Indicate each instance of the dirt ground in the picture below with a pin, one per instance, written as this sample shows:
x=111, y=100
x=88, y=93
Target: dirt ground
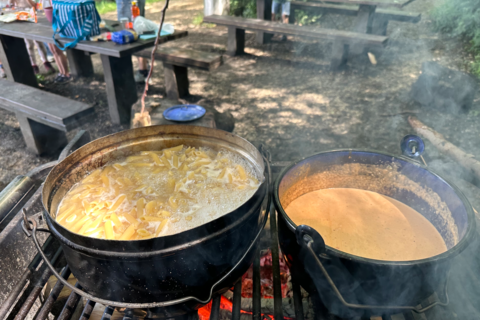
x=284, y=95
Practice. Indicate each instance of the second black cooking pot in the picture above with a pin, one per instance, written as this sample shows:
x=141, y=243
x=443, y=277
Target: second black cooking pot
x=351, y=285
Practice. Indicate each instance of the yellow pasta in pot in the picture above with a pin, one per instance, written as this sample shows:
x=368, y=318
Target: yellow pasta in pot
x=105, y=180
x=222, y=173
x=95, y=233
x=71, y=218
x=165, y=213
x=65, y=213
x=118, y=166
x=108, y=225
x=177, y=148
x=156, y=158
x=241, y=172
x=115, y=220
x=128, y=233
x=78, y=225
x=150, y=208
x=118, y=202
x=132, y=220
x=165, y=162
x=150, y=218
x=85, y=227
x=140, y=206
x=156, y=193
x=143, y=233
x=161, y=227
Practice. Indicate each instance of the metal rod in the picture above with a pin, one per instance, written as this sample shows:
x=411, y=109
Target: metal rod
x=13, y=194
x=237, y=300
x=107, y=314
x=53, y=296
x=70, y=306
x=5, y=307
x=256, y=290
x=37, y=285
x=25, y=309
x=87, y=310
x=27, y=274
x=297, y=297
x=277, y=284
x=215, y=311
x=81, y=138
x=425, y=163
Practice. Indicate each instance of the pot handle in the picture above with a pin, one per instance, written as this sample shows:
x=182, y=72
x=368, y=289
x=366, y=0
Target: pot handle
x=312, y=242
x=30, y=228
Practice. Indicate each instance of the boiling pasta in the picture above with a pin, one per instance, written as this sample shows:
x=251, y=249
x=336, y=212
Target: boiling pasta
x=157, y=193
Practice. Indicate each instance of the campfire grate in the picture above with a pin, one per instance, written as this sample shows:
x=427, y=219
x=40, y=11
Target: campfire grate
x=21, y=298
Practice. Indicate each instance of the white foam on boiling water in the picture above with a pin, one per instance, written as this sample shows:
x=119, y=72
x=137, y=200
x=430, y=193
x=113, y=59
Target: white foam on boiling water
x=200, y=203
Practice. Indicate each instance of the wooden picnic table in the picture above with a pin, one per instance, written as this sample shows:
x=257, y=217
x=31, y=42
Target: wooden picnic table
x=116, y=61
x=364, y=21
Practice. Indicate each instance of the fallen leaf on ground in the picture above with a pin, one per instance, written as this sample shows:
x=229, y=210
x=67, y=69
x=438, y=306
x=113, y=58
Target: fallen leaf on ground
x=372, y=58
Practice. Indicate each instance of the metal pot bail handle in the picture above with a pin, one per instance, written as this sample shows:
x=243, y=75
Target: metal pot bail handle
x=267, y=158
x=30, y=228
x=413, y=146
x=306, y=238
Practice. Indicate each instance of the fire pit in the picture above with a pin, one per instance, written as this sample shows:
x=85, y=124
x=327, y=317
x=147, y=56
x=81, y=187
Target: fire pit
x=24, y=275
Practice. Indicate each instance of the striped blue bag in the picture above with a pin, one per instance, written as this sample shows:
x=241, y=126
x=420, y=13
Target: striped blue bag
x=74, y=19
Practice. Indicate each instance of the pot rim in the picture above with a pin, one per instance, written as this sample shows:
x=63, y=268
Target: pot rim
x=456, y=249
x=258, y=197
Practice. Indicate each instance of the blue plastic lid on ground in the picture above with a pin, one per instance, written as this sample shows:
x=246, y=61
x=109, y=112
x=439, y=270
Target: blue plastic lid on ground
x=184, y=112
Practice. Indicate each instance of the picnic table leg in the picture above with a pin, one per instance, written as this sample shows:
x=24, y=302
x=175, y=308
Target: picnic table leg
x=236, y=41
x=264, y=12
x=176, y=81
x=15, y=60
x=80, y=63
x=379, y=26
x=39, y=137
x=121, y=87
x=339, y=55
x=363, y=24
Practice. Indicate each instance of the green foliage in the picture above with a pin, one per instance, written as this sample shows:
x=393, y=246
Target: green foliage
x=304, y=18
x=243, y=8
x=459, y=19
x=106, y=6
x=198, y=19
x=40, y=77
x=475, y=68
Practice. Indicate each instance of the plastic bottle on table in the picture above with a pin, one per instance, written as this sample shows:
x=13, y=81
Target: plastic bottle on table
x=135, y=10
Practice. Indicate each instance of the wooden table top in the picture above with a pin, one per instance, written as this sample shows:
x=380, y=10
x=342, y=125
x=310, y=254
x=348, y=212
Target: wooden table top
x=378, y=3
x=42, y=31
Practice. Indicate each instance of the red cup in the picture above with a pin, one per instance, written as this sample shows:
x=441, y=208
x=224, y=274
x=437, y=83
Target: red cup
x=49, y=13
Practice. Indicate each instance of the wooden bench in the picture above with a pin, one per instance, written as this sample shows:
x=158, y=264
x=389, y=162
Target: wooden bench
x=44, y=117
x=176, y=62
x=381, y=16
x=341, y=39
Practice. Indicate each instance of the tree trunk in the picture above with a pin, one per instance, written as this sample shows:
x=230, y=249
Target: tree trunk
x=221, y=7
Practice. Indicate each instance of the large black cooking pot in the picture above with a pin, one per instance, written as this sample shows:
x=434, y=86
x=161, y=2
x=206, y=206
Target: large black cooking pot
x=178, y=272
x=350, y=285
